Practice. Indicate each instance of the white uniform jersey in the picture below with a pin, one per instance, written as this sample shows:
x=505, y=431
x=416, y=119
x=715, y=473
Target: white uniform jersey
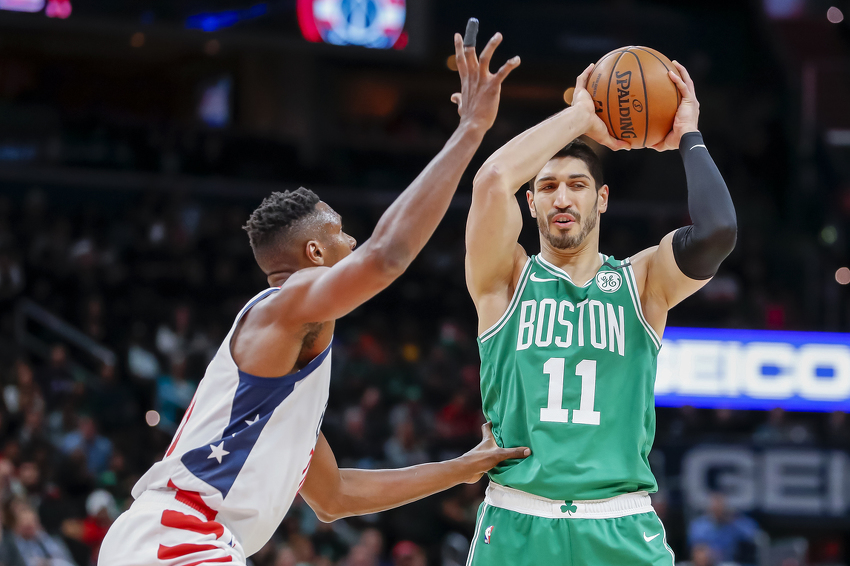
x=245, y=442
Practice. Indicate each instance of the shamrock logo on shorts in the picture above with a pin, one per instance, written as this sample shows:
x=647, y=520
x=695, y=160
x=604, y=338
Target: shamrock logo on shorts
x=568, y=507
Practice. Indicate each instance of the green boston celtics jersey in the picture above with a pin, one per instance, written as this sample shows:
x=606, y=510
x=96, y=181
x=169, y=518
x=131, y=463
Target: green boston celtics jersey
x=569, y=372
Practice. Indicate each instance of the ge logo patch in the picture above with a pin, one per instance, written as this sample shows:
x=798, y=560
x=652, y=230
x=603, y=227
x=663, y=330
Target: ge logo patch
x=609, y=281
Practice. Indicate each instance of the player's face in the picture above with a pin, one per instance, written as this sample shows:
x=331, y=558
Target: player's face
x=566, y=203
x=336, y=243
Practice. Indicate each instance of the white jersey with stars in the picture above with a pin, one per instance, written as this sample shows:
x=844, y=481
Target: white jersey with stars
x=245, y=442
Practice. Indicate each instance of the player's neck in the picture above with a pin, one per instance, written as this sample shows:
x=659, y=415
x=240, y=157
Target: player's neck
x=580, y=263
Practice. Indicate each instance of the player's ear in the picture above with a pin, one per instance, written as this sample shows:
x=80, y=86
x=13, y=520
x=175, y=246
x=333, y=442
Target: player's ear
x=602, y=198
x=529, y=195
x=315, y=252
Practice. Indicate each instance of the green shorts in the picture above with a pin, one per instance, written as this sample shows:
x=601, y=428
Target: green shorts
x=518, y=529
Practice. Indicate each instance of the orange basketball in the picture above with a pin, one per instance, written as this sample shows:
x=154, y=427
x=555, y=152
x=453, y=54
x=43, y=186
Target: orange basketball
x=634, y=96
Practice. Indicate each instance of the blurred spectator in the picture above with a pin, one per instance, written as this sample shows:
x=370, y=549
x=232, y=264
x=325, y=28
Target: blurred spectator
x=703, y=555
x=35, y=546
x=173, y=394
x=22, y=394
x=101, y=512
x=110, y=401
x=458, y=422
x=11, y=276
x=32, y=434
x=777, y=430
x=837, y=430
x=406, y=553
x=405, y=448
x=141, y=361
x=729, y=536
x=86, y=440
x=56, y=381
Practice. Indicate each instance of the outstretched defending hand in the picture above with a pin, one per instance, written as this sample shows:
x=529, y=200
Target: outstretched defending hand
x=478, y=101
x=596, y=128
x=487, y=454
x=687, y=116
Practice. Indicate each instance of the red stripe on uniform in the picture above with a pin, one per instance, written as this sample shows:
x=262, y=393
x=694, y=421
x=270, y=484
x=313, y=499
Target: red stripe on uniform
x=222, y=559
x=177, y=520
x=166, y=552
x=193, y=499
x=182, y=426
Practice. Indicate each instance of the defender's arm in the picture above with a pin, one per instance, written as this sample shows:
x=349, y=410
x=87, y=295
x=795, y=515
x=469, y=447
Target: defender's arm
x=334, y=493
x=322, y=294
x=493, y=256
x=688, y=258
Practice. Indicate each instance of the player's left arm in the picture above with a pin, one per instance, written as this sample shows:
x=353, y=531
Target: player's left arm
x=333, y=493
x=687, y=258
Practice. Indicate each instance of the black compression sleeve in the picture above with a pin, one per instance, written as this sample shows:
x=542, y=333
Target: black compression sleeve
x=699, y=248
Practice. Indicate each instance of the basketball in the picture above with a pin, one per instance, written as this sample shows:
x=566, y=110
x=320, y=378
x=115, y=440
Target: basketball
x=634, y=96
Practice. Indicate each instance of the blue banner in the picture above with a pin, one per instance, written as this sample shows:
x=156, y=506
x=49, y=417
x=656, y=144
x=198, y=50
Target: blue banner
x=754, y=369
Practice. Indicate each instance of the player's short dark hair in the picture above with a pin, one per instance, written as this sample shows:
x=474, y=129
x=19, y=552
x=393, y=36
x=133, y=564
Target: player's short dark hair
x=585, y=153
x=277, y=214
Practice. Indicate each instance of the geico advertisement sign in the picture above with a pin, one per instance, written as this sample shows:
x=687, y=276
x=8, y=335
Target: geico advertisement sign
x=754, y=369
x=783, y=481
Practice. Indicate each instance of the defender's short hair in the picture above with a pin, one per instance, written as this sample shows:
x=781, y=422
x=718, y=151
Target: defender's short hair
x=277, y=214
x=585, y=153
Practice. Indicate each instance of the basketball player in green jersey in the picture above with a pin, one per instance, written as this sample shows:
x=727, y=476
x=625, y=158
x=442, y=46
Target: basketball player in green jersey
x=569, y=339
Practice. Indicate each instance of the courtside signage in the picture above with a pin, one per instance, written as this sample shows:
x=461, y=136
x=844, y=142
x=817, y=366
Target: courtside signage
x=753, y=369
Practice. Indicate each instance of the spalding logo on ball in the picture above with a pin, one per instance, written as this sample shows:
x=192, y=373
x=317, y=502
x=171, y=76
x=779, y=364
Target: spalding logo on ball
x=378, y=24
x=633, y=94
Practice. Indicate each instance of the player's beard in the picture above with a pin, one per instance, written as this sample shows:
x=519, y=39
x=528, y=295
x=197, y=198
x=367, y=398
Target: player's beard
x=567, y=241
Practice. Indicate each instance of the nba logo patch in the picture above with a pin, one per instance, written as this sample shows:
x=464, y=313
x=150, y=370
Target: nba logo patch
x=608, y=281
x=487, y=534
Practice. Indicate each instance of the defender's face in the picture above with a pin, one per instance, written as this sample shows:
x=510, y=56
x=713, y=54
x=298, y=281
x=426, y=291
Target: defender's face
x=336, y=242
x=566, y=203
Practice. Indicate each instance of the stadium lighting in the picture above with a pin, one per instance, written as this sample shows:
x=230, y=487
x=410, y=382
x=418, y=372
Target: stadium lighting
x=152, y=418
x=22, y=5
x=842, y=275
x=835, y=15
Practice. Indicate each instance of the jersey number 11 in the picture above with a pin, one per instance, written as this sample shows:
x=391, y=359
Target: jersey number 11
x=554, y=412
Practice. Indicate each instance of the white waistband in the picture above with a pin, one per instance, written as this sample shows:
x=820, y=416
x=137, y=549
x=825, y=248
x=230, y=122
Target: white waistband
x=527, y=504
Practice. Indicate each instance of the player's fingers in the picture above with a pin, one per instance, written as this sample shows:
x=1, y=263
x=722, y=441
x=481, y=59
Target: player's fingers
x=457, y=98
x=686, y=76
x=487, y=52
x=581, y=80
x=509, y=453
x=506, y=69
x=487, y=430
x=460, y=57
x=680, y=84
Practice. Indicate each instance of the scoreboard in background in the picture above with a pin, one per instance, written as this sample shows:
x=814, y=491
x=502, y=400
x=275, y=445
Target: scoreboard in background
x=378, y=24
x=754, y=369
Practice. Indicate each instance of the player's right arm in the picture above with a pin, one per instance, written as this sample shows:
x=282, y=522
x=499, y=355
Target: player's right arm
x=493, y=257
x=333, y=493
x=323, y=294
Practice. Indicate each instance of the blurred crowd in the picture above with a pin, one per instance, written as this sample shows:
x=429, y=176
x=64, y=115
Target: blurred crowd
x=158, y=279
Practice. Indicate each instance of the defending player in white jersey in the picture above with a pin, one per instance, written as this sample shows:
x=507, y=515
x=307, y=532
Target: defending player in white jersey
x=250, y=440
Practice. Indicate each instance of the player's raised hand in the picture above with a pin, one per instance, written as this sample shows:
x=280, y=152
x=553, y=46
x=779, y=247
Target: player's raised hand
x=687, y=116
x=596, y=128
x=487, y=454
x=478, y=101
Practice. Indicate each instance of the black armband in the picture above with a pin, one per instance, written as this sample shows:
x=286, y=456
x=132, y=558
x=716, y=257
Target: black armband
x=700, y=248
